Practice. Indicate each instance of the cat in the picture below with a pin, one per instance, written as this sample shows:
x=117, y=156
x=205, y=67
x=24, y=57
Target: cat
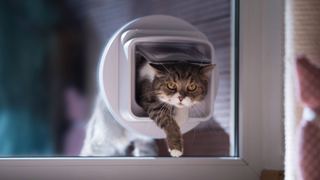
x=167, y=91
x=106, y=137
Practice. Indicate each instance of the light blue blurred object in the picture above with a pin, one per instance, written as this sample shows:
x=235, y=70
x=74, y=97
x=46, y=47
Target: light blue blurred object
x=24, y=87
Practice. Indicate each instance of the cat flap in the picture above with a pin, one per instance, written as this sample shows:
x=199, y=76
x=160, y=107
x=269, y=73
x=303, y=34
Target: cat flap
x=170, y=52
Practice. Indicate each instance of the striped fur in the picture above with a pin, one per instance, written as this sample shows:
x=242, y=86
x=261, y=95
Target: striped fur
x=159, y=102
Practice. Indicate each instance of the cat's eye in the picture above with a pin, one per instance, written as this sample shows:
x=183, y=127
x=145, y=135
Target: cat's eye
x=172, y=86
x=192, y=87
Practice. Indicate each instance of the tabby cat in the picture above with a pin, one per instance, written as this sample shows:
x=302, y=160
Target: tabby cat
x=167, y=91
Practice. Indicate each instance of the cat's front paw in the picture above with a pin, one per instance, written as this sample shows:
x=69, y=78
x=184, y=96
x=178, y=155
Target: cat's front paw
x=175, y=153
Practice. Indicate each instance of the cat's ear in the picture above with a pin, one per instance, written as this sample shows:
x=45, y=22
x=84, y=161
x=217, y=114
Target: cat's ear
x=206, y=70
x=157, y=67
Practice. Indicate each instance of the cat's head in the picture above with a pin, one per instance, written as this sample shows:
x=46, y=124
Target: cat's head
x=181, y=84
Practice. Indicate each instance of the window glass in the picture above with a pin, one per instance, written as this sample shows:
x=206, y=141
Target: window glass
x=49, y=53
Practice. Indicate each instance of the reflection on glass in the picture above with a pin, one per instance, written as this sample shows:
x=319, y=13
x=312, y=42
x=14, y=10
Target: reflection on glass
x=49, y=53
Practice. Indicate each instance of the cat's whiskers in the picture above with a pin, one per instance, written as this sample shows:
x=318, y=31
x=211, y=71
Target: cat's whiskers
x=208, y=128
x=192, y=111
x=201, y=130
x=158, y=77
x=209, y=122
x=209, y=119
x=204, y=122
x=201, y=110
x=214, y=128
x=171, y=113
x=148, y=126
x=199, y=65
x=156, y=120
x=194, y=131
x=166, y=106
x=200, y=117
x=165, y=68
x=159, y=102
x=162, y=109
x=196, y=110
x=170, y=76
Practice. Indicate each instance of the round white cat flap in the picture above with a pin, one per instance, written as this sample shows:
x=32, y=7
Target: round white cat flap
x=154, y=71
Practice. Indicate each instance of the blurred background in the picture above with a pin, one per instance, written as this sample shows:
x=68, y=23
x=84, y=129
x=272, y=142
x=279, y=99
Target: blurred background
x=49, y=52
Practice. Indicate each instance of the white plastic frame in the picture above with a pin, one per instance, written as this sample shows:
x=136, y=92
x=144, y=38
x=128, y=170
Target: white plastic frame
x=116, y=69
x=261, y=134
x=129, y=48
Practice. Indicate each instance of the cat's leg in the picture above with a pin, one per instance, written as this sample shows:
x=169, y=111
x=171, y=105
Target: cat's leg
x=174, y=137
x=161, y=114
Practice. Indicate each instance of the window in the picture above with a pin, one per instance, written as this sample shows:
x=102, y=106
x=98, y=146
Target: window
x=254, y=110
x=67, y=90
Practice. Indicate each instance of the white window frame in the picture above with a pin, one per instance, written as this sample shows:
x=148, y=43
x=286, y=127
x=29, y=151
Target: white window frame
x=260, y=120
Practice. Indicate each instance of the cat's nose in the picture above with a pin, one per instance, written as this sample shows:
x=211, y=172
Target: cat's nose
x=181, y=98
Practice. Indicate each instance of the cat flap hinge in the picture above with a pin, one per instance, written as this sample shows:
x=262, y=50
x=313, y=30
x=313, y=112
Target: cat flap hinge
x=183, y=61
x=165, y=52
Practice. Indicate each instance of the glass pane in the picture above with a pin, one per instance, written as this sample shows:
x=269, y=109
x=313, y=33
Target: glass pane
x=49, y=54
